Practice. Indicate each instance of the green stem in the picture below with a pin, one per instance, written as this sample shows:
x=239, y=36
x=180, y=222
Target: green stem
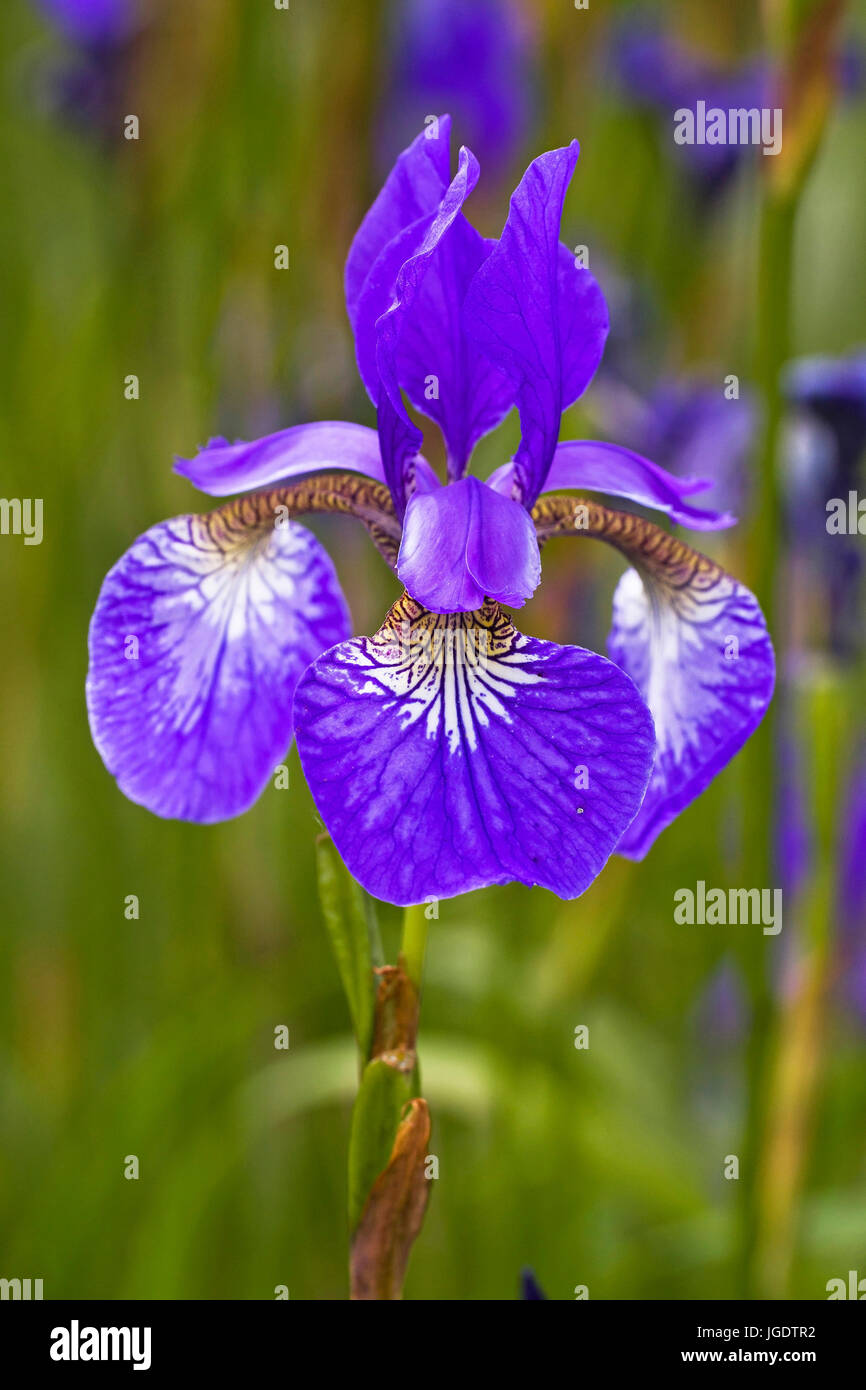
x=414, y=943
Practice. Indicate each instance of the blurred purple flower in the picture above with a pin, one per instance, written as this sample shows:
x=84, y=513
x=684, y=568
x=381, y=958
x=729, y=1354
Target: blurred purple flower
x=689, y=426
x=88, y=84
x=851, y=904
x=471, y=57
x=722, y=1013
x=827, y=441
x=662, y=74
x=530, y=1289
x=832, y=391
x=793, y=843
x=94, y=23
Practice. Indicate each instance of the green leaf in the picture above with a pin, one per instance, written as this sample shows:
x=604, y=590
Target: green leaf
x=383, y=1092
x=351, y=921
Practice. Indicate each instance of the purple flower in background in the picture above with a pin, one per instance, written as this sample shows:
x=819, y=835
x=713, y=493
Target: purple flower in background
x=664, y=75
x=832, y=392
x=686, y=424
x=827, y=444
x=89, y=85
x=851, y=905
x=530, y=1289
x=722, y=1010
x=449, y=751
x=94, y=21
x=793, y=830
x=473, y=57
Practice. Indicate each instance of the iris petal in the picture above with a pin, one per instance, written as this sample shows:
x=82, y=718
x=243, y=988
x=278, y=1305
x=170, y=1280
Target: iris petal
x=412, y=190
x=200, y=634
x=378, y=295
x=538, y=316
x=398, y=436
x=701, y=656
x=222, y=468
x=451, y=752
x=439, y=368
x=695, y=643
x=384, y=308
x=464, y=543
x=608, y=468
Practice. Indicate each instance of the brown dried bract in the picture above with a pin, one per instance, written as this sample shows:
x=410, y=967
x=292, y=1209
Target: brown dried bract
x=396, y=1022
x=393, y=1213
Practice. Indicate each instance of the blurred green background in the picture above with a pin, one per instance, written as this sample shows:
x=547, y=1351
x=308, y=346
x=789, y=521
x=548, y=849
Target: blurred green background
x=154, y=1036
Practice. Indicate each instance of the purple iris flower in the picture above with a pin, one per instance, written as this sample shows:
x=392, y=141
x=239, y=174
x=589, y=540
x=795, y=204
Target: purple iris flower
x=851, y=907
x=664, y=75
x=89, y=85
x=832, y=391
x=827, y=446
x=448, y=751
x=722, y=1011
x=94, y=21
x=530, y=1289
x=688, y=422
x=472, y=56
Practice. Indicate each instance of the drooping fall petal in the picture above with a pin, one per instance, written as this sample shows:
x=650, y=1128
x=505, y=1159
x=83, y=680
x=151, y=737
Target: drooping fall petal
x=695, y=643
x=200, y=634
x=450, y=752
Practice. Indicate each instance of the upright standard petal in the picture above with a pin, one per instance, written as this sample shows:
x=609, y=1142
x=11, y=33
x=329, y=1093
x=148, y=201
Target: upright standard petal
x=412, y=190
x=200, y=634
x=451, y=752
x=537, y=315
x=464, y=543
x=439, y=368
x=222, y=468
x=589, y=463
x=696, y=645
x=398, y=436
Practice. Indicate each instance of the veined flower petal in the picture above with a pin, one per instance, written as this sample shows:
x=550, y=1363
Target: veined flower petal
x=464, y=543
x=536, y=315
x=696, y=645
x=399, y=438
x=200, y=634
x=439, y=368
x=608, y=468
x=700, y=654
x=451, y=752
x=395, y=277
x=412, y=190
x=380, y=315
x=222, y=468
